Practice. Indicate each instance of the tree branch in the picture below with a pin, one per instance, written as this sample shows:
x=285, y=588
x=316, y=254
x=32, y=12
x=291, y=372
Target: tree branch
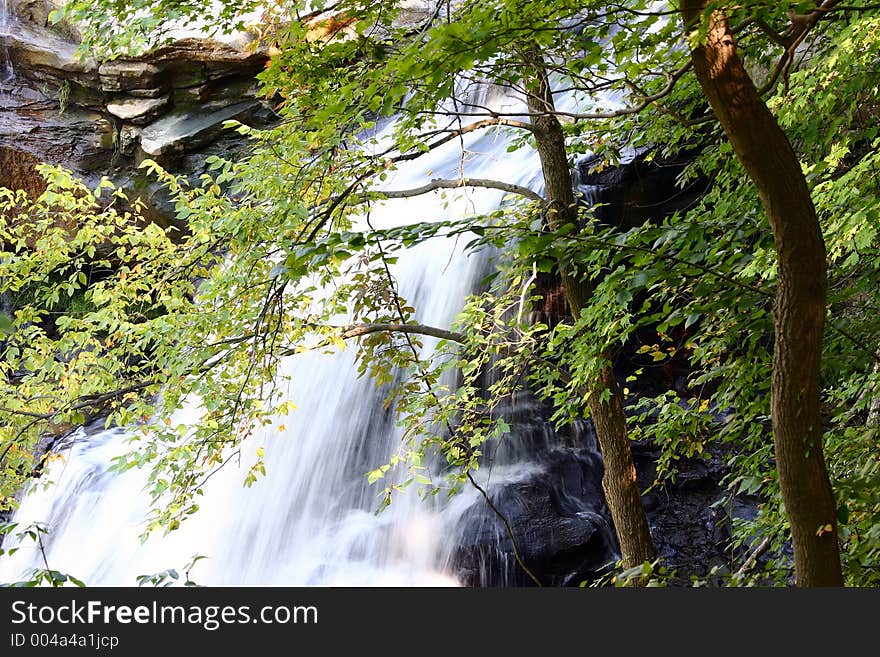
x=781, y=40
x=382, y=162
x=752, y=559
x=801, y=25
x=418, y=329
x=444, y=183
x=673, y=78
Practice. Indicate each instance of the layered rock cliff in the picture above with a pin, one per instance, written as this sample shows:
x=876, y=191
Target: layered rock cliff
x=104, y=117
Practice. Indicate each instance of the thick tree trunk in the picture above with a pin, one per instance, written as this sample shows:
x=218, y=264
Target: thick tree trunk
x=799, y=311
x=622, y=491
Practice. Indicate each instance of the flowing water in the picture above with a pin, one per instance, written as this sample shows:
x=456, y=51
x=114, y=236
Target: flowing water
x=311, y=520
x=6, y=26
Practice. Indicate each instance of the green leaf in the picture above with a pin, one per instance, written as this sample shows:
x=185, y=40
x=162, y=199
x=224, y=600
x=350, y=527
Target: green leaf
x=6, y=325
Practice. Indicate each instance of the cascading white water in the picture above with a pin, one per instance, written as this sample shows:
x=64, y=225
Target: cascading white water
x=6, y=23
x=311, y=520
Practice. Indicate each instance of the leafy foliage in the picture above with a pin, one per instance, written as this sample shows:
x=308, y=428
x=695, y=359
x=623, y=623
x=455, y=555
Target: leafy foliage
x=279, y=256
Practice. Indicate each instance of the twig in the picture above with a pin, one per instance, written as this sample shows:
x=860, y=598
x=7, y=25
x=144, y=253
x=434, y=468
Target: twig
x=507, y=528
x=750, y=562
x=442, y=183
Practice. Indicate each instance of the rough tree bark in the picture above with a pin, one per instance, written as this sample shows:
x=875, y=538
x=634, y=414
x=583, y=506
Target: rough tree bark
x=621, y=487
x=799, y=309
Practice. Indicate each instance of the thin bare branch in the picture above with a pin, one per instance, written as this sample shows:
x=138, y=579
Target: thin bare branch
x=417, y=329
x=444, y=183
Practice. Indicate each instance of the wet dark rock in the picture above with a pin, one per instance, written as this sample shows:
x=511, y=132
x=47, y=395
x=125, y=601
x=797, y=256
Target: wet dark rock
x=642, y=187
x=558, y=517
x=557, y=511
x=691, y=514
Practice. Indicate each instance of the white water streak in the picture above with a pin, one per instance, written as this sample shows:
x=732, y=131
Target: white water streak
x=311, y=520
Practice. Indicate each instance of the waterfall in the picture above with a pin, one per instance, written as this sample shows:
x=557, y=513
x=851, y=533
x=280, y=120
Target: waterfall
x=6, y=21
x=311, y=520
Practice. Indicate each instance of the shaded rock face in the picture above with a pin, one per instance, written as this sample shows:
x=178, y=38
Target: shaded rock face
x=691, y=517
x=121, y=76
x=104, y=118
x=548, y=484
x=554, y=503
x=558, y=517
x=80, y=139
x=639, y=189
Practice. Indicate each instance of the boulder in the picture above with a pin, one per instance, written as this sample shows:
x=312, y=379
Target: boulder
x=37, y=12
x=557, y=514
x=637, y=189
x=129, y=138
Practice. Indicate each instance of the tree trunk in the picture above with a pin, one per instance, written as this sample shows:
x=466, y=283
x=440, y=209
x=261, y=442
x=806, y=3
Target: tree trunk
x=799, y=310
x=619, y=482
